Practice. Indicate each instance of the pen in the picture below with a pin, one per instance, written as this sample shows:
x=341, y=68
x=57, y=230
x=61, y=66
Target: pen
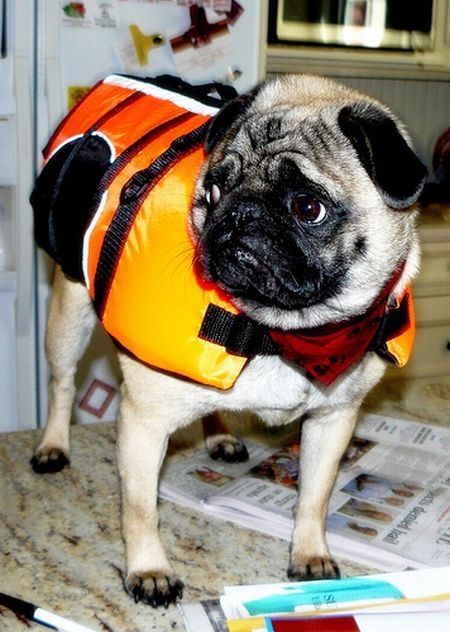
x=39, y=615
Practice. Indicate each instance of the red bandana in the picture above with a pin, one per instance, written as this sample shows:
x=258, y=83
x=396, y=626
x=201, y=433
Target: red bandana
x=326, y=352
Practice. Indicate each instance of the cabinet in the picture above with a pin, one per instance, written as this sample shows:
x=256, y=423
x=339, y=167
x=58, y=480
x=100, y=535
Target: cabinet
x=431, y=355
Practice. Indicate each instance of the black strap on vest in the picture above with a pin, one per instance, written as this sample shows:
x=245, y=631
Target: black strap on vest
x=129, y=153
x=132, y=196
x=239, y=334
x=142, y=182
x=242, y=336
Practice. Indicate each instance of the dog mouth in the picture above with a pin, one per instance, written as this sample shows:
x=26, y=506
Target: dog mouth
x=256, y=252
x=260, y=276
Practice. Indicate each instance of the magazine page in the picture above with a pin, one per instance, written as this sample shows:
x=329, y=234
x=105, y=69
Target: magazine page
x=264, y=499
x=191, y=480
x=401, y=431
x=394, y=495
x=268, y=490
x=392, y=492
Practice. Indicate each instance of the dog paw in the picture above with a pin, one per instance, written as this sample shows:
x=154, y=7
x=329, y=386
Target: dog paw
x=155, y=589
x=314, y=568
x=228, y=448
x=49, y=461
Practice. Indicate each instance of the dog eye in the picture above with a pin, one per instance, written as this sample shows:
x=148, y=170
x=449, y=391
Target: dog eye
x=213, y=195
x=308, y=209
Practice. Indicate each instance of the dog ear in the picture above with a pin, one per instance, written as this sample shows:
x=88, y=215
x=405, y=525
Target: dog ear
x=384, y=153
x=225, y=117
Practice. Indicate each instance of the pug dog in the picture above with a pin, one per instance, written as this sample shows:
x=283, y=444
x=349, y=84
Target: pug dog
x=304, y=213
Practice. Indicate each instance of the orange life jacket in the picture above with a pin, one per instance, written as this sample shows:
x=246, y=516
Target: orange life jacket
x=111, y=207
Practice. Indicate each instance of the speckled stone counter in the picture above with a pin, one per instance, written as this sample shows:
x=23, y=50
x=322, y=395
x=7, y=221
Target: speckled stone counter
x=60, y=543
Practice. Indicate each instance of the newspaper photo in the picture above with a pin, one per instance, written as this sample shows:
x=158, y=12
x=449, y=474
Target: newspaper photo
x=390, y=505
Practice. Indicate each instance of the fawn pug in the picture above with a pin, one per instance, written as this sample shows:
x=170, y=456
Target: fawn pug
x=303, y=214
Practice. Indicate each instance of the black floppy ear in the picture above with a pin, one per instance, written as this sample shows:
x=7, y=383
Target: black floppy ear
x=225, y=117
x=384, y=153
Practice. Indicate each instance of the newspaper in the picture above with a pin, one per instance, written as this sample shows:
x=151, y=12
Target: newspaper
x=390, y=506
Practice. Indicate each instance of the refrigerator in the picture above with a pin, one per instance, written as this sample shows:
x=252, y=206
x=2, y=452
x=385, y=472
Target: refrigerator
x=52, y=51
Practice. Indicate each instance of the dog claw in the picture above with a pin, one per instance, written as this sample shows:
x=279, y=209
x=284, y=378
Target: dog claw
x=154, y=589
x=49, y=462
x=230, y=451
x=315, y=568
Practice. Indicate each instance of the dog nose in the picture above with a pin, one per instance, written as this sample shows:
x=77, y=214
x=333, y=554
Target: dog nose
x=244, y=213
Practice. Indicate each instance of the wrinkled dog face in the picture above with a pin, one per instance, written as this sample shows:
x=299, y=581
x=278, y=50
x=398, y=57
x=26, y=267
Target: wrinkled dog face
x=303, y=210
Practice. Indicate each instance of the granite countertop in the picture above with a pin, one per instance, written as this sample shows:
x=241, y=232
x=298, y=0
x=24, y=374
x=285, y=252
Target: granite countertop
x=60, y=543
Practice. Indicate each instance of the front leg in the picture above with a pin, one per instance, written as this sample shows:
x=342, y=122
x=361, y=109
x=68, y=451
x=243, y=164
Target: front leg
x=141, y=446
x=324, y=439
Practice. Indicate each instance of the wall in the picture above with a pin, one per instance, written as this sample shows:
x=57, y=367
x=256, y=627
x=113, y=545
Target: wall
x=424, y=106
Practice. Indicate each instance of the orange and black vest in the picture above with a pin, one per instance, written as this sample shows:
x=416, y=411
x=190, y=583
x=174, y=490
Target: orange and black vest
x=111, y=206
